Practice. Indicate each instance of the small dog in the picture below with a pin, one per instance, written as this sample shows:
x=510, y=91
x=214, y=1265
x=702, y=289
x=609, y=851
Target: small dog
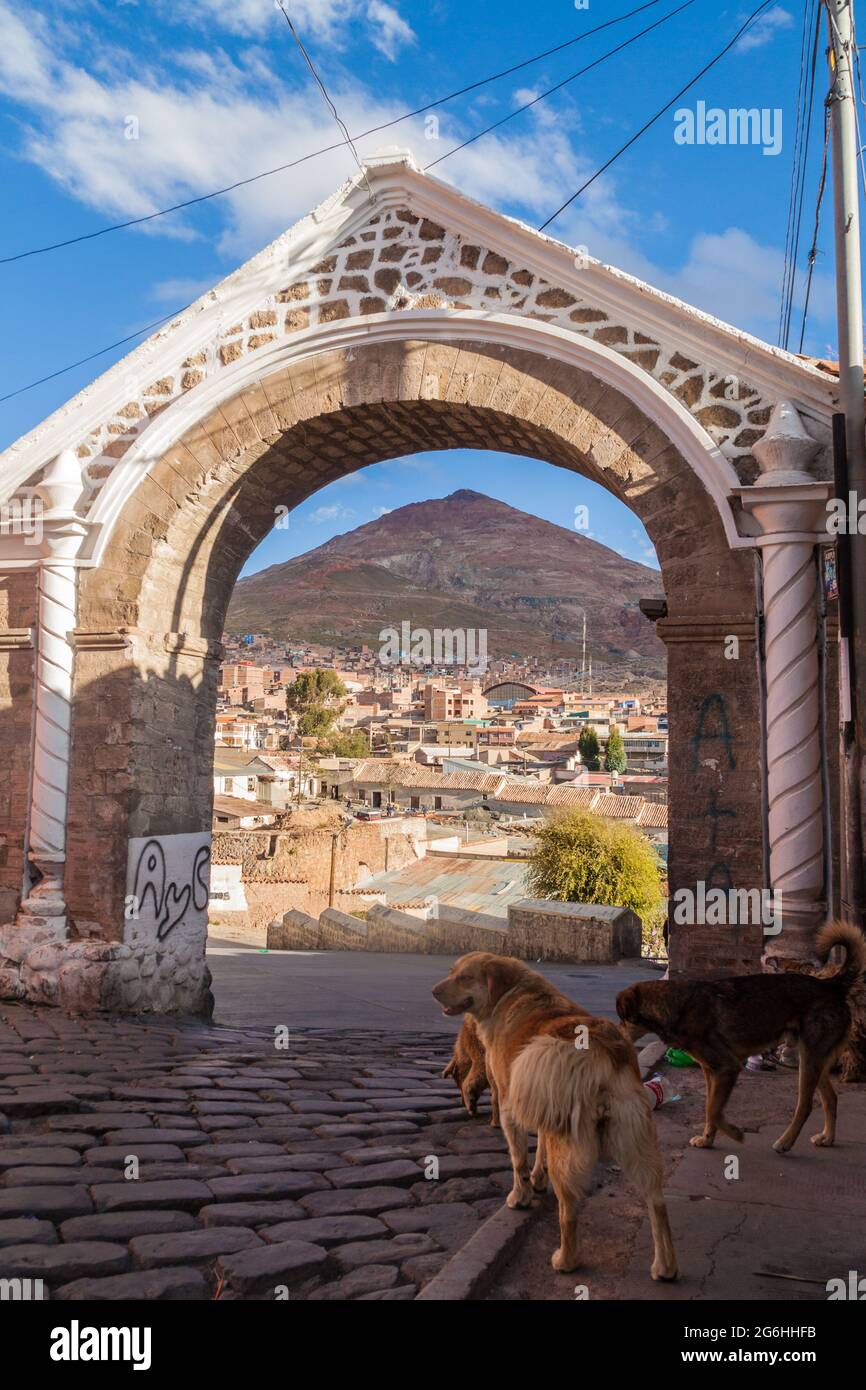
x=469, y=1068
x=721, y=1022
x=570, y=1077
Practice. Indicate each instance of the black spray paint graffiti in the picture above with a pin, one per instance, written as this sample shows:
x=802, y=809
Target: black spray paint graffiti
x=713, y=728
x=169, y=900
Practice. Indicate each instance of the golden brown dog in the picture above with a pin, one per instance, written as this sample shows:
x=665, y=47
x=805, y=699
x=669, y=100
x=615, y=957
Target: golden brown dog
x=722, y=1022
x=570, y=1077
x=468, y=1067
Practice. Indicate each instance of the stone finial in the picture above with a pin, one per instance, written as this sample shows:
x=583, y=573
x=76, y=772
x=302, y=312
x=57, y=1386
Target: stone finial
x=391, y=154
x=786, y=448
x=61, y=487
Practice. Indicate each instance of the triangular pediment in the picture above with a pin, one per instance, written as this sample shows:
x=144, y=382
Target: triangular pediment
x=394, y=241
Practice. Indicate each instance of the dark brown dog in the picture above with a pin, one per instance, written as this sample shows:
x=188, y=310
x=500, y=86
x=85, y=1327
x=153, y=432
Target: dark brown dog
x=721, y=1022
x=469, y=1069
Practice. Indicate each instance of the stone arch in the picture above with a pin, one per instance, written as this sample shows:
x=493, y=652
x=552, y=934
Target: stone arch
x=399, y=315
x=151, y=613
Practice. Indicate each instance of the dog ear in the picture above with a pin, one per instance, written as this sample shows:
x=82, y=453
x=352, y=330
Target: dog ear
x=499, y=977
x=625, y=1003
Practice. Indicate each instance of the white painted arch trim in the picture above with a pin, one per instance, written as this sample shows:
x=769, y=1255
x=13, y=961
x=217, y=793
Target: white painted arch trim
x=453, y=326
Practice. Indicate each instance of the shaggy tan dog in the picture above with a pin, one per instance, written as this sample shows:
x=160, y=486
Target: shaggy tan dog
x=468, y=1066
x=570, y=1077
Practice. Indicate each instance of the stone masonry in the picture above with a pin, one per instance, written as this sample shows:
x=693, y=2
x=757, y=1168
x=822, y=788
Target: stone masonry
x=365, y=333
x=185, y=1162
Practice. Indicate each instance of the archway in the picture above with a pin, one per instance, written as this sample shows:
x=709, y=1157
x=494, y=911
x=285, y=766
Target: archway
x=120, y=798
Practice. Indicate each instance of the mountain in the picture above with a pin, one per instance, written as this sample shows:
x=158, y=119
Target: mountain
x=463, y=561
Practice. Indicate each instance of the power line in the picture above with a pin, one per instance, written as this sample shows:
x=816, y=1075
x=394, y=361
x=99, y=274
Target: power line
x=813, y=250
x=807, y=127
x=328, y=102
x=326, y=149
x=628, y=144
x=148, y=328
x=802, y=82
x=101, y=351
x=543, y=95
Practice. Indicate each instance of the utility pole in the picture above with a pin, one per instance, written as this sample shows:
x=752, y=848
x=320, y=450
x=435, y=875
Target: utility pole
x=849, y=309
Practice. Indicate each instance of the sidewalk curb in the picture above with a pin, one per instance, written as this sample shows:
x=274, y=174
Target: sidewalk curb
x=469, y=1272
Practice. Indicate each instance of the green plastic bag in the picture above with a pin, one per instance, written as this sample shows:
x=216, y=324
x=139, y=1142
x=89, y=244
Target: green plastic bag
x=677, y=1058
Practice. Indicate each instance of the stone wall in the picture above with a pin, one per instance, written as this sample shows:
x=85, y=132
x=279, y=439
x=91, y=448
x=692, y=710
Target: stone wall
x=535, y=930
x=288, y=870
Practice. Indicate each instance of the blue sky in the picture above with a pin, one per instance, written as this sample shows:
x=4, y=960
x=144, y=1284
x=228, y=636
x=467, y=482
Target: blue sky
x=218, y=91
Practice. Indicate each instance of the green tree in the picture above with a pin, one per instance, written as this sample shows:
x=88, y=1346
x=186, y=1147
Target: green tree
x=312, y=702
x=353, y=744
x=582, y=858
x=614, y=758
x=588, y=747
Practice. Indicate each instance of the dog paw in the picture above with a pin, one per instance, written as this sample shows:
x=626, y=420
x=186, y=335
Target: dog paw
x=782, y=1146
x=517, y=1198
x=564, y=1262
x=539, y=1184
x=822, y=1141
x=701, y=1141
x=663, y=1275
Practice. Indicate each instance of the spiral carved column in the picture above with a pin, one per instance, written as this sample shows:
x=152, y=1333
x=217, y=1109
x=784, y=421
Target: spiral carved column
x=790, y=507
x=63, y=531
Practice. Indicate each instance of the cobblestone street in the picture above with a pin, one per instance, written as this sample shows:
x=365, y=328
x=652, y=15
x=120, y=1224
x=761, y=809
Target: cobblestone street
x=179, y=1161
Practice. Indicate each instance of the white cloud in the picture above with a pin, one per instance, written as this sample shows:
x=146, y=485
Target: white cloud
x=390, y=30
x=331, y=513
x=199, y=123
x=765, y=29
x=323, y=21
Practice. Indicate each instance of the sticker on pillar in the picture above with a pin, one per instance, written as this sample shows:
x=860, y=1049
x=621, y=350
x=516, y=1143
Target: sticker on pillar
x=167, y=886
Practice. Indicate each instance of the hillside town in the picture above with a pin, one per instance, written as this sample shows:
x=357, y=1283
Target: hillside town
x=416, y=763
x=432, y=674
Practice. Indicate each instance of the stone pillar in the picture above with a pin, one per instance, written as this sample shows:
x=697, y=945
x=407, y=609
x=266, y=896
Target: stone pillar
x=62, y=533
x=790, y=508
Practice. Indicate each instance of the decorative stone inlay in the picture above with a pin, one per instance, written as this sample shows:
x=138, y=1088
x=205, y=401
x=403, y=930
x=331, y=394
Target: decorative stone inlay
x=429, y=267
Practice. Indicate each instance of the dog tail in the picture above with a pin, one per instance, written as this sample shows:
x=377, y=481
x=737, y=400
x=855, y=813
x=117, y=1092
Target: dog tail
x=847, y=935
x=557, y=1087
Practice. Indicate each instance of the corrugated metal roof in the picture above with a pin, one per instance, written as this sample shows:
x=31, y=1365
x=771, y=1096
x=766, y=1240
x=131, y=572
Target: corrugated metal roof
x=477, y=885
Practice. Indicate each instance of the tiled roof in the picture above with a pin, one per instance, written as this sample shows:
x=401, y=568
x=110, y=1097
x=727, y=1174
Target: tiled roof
x=618, y=807
x=654, y=815
x=531, y=793
x=571, y=794
x=391, y=774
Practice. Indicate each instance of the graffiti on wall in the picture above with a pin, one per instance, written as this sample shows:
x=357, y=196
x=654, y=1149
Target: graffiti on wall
x=168, y=884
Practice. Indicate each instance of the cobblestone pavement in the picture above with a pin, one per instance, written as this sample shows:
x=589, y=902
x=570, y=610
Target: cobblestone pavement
x=178, y=1161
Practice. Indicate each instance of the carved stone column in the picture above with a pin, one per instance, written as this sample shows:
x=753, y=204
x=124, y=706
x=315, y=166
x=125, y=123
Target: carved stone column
x=790, y=508
x=62, y=534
